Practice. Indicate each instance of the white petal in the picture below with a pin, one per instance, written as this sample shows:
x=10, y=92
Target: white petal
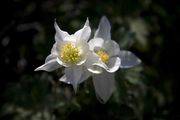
x=104, y=85
x=104, y=29
x=50, y=64
x=113, y=64
x=92, y=62
x=95, y=65
x=60, y=35
x=95, y=69
x=54, y=49
x=61, y=63
x=70, y=38
x=84, y=33
x=112, y=48
x=60, y=45
x=128, y=59
x=91, y=59
x=50, y=57
x=83, y=47
x=87, y=22
x=73, y=75
x=96, y=42
x=85, y=75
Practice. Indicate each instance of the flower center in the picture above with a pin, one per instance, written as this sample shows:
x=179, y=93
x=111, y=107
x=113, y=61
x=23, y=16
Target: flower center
x=104, y=56
x=70, y=54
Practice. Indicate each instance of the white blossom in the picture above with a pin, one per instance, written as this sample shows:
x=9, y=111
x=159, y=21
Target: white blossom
x=110, y=60
x=71, y=52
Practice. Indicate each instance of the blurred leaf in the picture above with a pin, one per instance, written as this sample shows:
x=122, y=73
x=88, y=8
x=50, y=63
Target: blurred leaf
x=125, y=38
x=140, y=28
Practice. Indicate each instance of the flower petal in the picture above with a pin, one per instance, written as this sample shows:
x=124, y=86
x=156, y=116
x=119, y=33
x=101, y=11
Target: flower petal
x=85, y=75
x=54, y=49
x=50, y=64
x=104, y=29
x=128, y=59
x=113, y=64
x=95, y=69
x=84, y=51
x=50, y=57
x=96, y=42
x=112, y=48
x=95, y=65
x=104, y=85
x=60, y=45
x=73, y=75
x=70, y=38
x=60, y=35
x=84, y=33
x=62, y=63
x=92, y=63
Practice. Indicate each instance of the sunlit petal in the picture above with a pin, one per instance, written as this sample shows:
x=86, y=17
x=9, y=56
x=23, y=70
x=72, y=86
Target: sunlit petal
x=84, y=33
x=50, y=64
x=73, y=75
x=60, y=35
x=62, y=63
x=95, y=69
x=84, y=50
x=70, y=38
x=96, y=43
x=92, y=63
x=84, y=76
x=54, y=49
x=113, y=64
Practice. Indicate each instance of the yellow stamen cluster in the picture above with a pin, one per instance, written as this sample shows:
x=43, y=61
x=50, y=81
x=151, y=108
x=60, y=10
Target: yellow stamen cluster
x=103, y=56
x=70, y=54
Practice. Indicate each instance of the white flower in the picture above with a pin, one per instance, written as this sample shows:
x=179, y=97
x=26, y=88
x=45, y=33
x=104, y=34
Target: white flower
x=110, y=60
x=70, y=51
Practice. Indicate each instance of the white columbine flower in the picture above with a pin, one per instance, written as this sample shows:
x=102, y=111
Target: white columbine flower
x=110, y=60
x=70, y=51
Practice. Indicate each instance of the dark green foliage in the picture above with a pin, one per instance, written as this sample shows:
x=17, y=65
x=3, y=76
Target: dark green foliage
x=145, y=92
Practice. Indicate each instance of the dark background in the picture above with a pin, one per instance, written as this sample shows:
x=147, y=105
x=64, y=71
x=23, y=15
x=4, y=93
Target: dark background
x=148, y=28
